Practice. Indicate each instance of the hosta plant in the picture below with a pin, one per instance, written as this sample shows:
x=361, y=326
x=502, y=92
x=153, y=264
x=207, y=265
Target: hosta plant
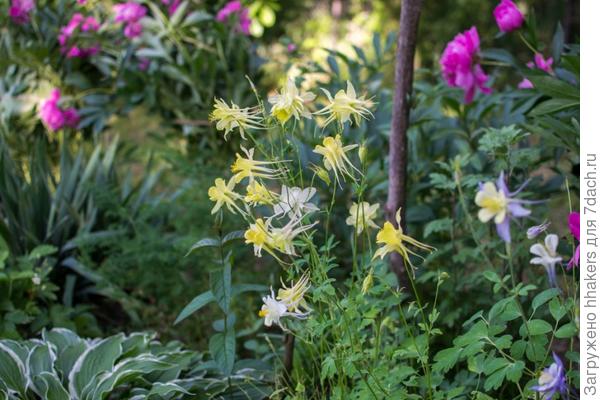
x=62, y=365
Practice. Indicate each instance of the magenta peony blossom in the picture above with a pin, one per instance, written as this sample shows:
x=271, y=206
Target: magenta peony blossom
x=235, y=8
x=538, y=62
x=172, y=5
x=574, y=221
x=460, y=67
x=143, y=63
x=130, y=13
x=508, y=17
x=525, y=84
x=55, y=117
x=67, y=34
x=20, y=9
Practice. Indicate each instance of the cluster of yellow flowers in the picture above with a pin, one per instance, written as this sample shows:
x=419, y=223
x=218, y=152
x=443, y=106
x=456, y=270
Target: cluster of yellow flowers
x=293, y=206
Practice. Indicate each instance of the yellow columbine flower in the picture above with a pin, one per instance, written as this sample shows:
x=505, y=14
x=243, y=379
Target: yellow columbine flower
x=222, y=193
x=361, y=216
x=230, y=117
x=394, y=240
x=493, y=203
x=290, y=102
x=250, y=168
x=334, y=156
x=346, y=106
x=293, y=297
x=256, y=193
x=258, y=235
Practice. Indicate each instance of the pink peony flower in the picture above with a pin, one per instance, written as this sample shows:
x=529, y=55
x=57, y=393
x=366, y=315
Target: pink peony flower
x=71, y=117
x=54, y=117
x=460, y=67
x=525, y=84
x=68, y=32
x=172, y=5
x=508, y=17
x=19, y=10
x=538, y=62
x=574, y=221
x=130, y=13
x=143, y=63
x=235, y=8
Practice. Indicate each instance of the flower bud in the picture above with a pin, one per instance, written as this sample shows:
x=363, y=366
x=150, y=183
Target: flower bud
x=362, y=153
x=321, y=173
x=367, y=283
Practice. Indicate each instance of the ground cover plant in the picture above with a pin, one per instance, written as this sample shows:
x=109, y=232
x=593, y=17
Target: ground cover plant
x=195, y=203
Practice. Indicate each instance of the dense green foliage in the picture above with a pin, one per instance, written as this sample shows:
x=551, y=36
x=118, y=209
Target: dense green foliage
x=106, y=227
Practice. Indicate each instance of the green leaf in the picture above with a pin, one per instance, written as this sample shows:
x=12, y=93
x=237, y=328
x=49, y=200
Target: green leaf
x=544, y=297
x=439, y=225
x=552, y=106
x=566, y=331
x=42, y=251
x=538, y=327
x=557, y=309
x=328, y=368
x=166, y=390
x=222, y=349
x=515, y=371
x=220, y=285
x=491, y=276
x=206, y=242
x=494, y=381
x=231, y=236
x=554, y=87
x=98, y=358
x=446, y=359
x=196, y=304
x=12, y=370
x=49, y=387
x=40, y=359
x=123, y=372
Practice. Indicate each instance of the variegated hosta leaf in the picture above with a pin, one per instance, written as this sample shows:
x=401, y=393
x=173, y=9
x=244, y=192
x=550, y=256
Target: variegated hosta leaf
x=12, y=370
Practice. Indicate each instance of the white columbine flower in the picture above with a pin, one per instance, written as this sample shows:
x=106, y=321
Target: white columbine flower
x=272, y=311
x=547, y=257
x=282, y=239
x=362, y=215
x=294, y=202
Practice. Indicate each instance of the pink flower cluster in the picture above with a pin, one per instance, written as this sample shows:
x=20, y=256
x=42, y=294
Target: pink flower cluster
x=55, y=117
x=130, y=14
x=540, y=63
x=508, y=17
x=236, y=8
x=19, y=10
x=172, y=5
x=460, y=67
x=78, y=23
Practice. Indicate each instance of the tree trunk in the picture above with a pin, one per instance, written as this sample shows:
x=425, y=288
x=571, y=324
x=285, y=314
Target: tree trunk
x=405, y=54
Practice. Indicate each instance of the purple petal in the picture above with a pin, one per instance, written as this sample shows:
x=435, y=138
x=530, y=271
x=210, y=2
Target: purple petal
x=517, y=210
x=501, y=184
x=503, y=230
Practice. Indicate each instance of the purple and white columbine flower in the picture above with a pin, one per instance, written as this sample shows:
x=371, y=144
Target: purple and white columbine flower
x=536, y=230
x=552, y=380
x=547, y=257
x=498, y=203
